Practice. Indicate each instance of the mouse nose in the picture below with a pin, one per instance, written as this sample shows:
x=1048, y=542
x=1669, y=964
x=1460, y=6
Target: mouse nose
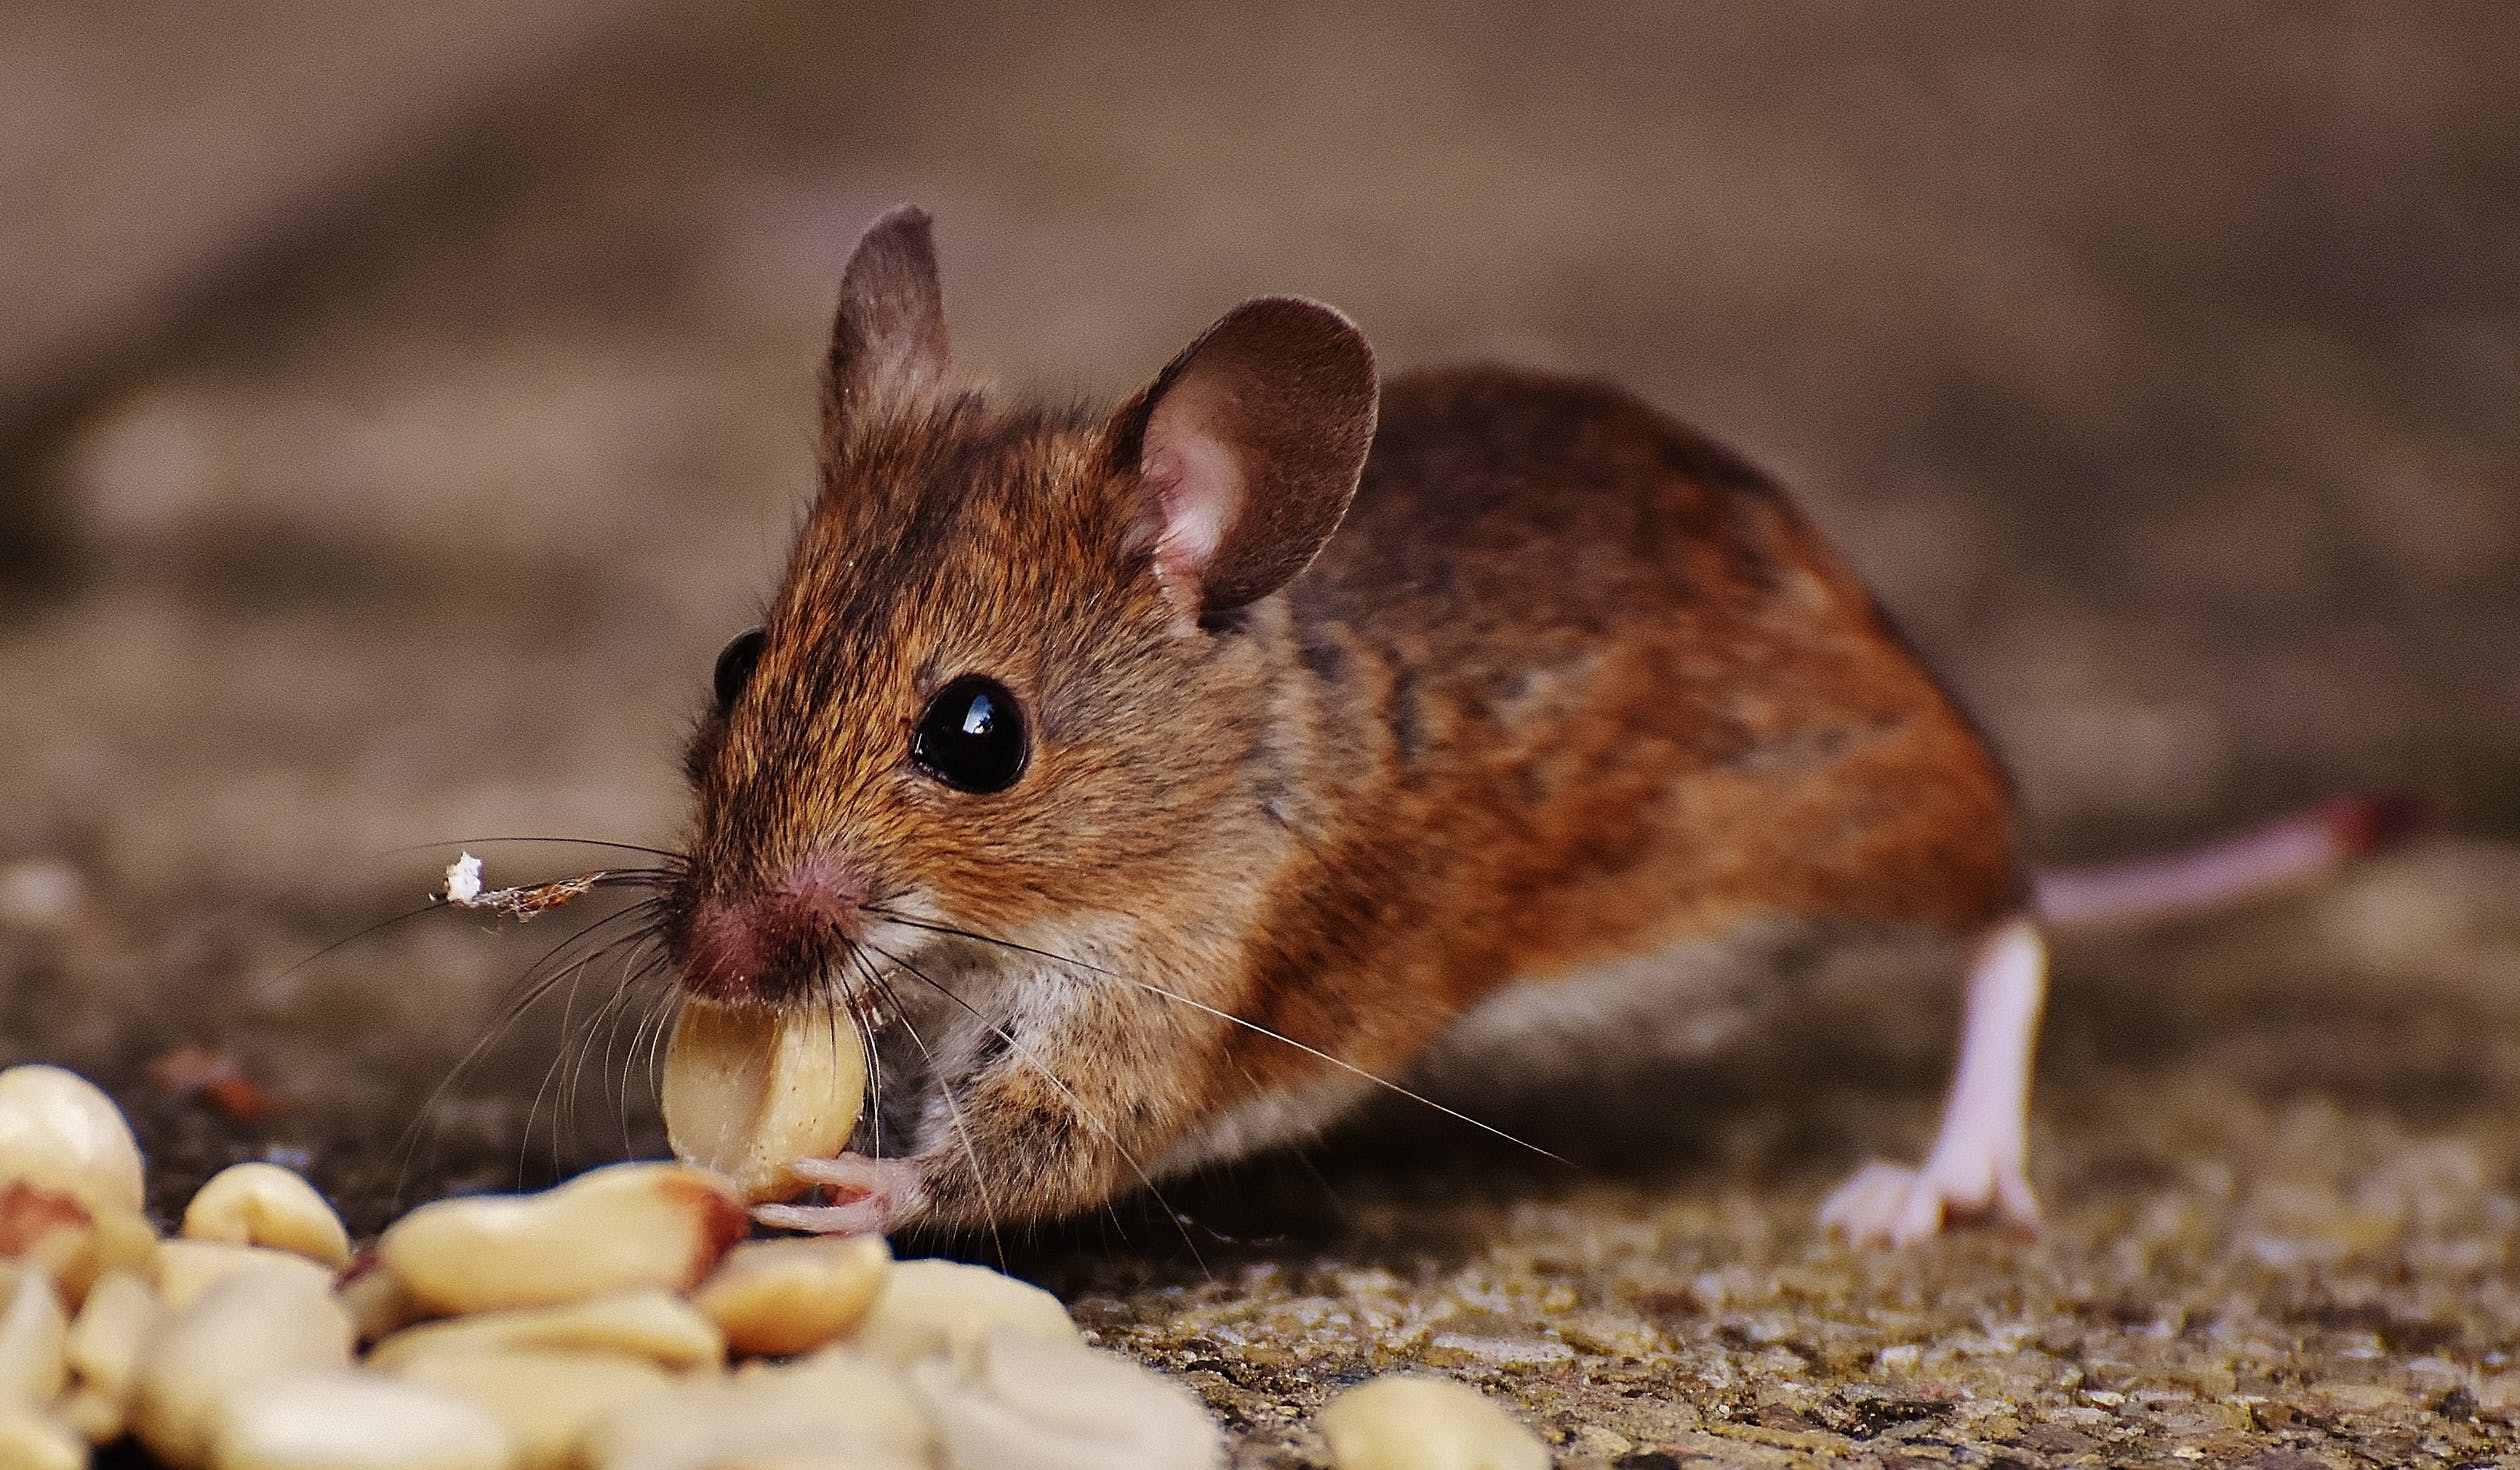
x=770, y=944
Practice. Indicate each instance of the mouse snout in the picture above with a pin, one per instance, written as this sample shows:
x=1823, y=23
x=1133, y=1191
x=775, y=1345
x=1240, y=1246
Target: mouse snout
x=771, y=944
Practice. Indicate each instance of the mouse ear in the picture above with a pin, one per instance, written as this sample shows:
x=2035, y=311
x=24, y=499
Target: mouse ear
x=888, y=338
x=1248, y=446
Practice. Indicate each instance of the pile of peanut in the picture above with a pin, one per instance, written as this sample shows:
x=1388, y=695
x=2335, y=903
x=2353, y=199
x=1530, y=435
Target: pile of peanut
x=621, y=1321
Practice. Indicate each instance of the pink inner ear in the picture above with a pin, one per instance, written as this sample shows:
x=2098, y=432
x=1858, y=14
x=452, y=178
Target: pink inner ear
x=1198, y=489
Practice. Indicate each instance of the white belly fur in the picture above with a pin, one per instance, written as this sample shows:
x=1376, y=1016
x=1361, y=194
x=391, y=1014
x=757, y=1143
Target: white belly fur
x=1532, y=1039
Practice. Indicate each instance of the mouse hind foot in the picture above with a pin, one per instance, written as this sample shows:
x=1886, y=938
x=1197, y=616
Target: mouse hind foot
x=1978, y=1169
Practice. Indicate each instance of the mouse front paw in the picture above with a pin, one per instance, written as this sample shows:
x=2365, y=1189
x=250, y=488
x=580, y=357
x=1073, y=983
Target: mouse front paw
x=1891, y=1204
x=874, y=1196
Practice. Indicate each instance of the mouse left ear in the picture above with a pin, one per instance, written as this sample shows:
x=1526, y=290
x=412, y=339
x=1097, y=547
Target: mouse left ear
x=888, y=336
x=1247, y=447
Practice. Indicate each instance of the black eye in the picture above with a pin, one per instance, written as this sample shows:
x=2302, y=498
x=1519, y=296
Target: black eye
x=972, y=736
x=735, y=666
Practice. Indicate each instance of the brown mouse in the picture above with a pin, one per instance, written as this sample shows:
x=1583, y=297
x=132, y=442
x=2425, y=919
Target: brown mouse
x=1154, y=783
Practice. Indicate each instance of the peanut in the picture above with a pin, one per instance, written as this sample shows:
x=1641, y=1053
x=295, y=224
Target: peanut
x=864, y=1395
x=95, y=1415
x=928, y=1307
x=31, y=1439
x=610, y=1229
x=376, y=1302
x=350, y=1420
x=33, y=1331
x=266, y=1205
x=58, y=1131
x=103, y=1351
x=647, y=1323
x=791, y=1296
x=832, y=1412
x=71, y=1237
x=1402, y=1422
x=187, y=1268
x=545, y=1400
x=749, y=1090
x=261, y=1322
x=1025, y=1403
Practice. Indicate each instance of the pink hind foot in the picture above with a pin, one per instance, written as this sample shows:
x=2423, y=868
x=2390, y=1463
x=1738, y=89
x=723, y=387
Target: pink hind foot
x=1978, y=1168
x=1891, y=1204
x=888, y=1194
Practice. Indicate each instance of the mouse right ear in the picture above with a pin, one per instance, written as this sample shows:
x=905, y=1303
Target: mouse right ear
x=1248, y=446
x=888, y=338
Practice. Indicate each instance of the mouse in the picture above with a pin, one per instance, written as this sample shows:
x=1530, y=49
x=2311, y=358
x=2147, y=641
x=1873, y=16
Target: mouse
x=1156, y=783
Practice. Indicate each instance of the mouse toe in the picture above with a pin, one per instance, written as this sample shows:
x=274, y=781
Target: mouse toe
x=879, y=1196
x=1886, y=1204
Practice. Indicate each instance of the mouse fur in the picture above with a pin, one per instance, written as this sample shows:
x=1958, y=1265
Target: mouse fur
x=1352, y=705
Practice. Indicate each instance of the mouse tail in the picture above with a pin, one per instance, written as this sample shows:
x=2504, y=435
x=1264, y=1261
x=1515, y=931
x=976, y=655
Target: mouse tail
x=2280, y=857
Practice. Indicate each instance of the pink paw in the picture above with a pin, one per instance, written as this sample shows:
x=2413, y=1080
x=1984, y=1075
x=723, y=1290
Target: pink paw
x=1889, y=1204
x=887, y=1193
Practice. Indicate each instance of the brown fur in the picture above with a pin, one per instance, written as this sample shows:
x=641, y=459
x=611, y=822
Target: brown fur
x=1570, y=683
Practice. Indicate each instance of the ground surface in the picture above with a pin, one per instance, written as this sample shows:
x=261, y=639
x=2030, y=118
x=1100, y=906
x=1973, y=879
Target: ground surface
x=2160, y=377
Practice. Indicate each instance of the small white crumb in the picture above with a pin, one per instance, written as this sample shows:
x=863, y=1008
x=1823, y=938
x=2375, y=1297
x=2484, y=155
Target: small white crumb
x=463, y=890
x=463, y=881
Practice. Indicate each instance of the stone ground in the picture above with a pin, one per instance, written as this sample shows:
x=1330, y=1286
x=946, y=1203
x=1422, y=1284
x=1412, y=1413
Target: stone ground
x=2158, y=371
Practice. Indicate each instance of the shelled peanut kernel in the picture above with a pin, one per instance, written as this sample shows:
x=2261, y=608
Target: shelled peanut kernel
x=748, y=1091
x=587, y=1327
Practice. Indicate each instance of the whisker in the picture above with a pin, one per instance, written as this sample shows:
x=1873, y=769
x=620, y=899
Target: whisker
x=672, y=858
x=562, y=1070
x=1077, y=1104
x=660, y=1028
x=539, y=980
x=636, y=969
x=962, y=1131
x=262, y=991
x=863, y=1011
x=617, y=1088
x=609, y=1011
x=1224, y=1015
x=551, y=1076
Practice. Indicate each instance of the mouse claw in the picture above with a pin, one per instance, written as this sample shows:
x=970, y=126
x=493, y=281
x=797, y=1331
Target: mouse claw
x=1892, y=1205
x=888, y=1193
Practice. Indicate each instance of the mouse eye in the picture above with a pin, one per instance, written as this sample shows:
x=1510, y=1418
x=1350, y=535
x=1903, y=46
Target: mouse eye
x=735, y=666
x=972, y=736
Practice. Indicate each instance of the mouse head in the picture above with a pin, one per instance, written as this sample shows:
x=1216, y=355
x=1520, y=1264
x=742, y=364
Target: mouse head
x=1009, y=684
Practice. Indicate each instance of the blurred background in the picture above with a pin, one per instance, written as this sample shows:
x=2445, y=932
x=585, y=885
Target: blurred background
x=400, y=405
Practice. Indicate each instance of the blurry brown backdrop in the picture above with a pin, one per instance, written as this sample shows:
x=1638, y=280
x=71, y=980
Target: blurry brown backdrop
x=401, y=405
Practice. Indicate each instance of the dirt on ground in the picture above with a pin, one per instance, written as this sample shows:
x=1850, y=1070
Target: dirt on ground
x=2157, y=368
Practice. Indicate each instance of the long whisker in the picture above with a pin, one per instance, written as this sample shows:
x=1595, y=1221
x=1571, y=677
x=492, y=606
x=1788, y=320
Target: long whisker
x=616, y=1090
x=538, y=981
x=1075, y=1103
x=672, y=858
x=552, y=1076
x=865, y=1013
x=573, y=1050
x=1223, y=1015
x=883, y=998
x=263, y=990
x=962, y=1132
x=607, y=1019
x=661, y=1015
x=642, y=963
x=578, y=966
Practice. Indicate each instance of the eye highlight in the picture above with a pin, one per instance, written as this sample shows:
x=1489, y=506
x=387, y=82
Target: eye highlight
x=971, y=736
x=735, y=665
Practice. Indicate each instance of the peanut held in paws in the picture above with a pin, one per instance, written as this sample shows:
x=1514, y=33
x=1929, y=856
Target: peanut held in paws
x=748, y=1091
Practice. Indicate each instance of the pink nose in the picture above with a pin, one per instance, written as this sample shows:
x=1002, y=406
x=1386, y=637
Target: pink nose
x=763, y=946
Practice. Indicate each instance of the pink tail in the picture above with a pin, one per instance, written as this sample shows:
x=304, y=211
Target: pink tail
x=2288, y=854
